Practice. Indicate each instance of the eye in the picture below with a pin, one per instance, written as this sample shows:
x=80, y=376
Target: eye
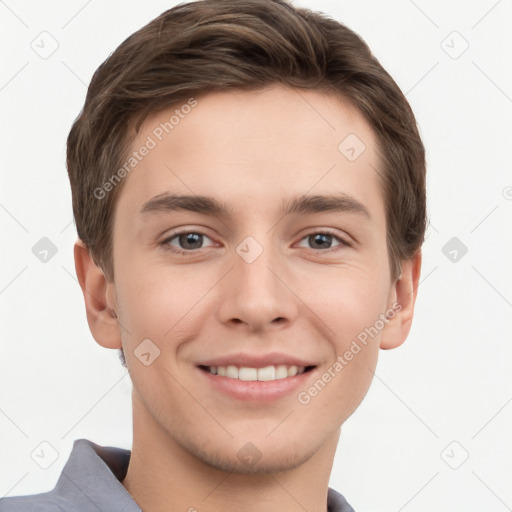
x=323, y=240
x=185, y=241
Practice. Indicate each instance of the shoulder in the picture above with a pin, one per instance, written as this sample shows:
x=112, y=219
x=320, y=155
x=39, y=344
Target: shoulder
x=335, y=502
x=44, y=502
x=89, y=482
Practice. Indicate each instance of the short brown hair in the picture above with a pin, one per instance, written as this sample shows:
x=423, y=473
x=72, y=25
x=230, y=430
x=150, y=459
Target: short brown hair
x=218, y=45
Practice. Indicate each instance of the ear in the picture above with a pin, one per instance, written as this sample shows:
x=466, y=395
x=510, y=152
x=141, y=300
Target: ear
x=401, y=306
x=99, y=296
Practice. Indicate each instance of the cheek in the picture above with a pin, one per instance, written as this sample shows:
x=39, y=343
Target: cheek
x=351, y=305
x=347, y=382
x=348, y=301
x=350, y=308
x=160, y=303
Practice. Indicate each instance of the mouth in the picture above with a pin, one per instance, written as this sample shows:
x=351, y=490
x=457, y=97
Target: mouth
x=258, y=383
x=251, y=374
x=256, y=377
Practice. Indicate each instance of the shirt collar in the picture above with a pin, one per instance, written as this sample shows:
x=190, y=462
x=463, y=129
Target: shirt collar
x=91, y=478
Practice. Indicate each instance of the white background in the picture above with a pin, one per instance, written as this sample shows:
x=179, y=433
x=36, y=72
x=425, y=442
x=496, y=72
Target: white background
x=451, y=380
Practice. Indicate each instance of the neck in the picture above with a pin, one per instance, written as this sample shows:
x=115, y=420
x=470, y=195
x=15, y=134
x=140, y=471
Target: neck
x=162, y=475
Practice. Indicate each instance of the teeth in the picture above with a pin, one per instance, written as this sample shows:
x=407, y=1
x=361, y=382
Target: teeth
x=247, y=374
x=281, y=371
x=267, y=373
x=232, y=372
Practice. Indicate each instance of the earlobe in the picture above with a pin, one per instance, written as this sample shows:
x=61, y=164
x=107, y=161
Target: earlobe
x=405, y=291
x=99, y=300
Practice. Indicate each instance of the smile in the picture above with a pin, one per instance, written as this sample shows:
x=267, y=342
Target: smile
x=267, y=373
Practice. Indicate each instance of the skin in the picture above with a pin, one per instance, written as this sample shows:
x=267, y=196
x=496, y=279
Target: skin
x=251, y=150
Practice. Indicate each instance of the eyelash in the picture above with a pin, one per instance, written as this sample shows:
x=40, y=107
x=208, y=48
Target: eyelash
x=165, y=243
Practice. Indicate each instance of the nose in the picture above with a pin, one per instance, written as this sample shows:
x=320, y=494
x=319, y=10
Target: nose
x=257, y=294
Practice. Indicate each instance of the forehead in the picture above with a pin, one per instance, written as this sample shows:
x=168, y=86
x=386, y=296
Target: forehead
x=255, y=148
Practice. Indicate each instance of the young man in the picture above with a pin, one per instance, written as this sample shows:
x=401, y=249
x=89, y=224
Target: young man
x=249, y=193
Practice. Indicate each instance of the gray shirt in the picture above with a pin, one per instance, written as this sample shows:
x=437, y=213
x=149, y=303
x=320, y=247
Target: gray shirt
x=91, y=482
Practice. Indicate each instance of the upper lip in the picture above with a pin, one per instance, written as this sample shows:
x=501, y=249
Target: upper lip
x=257, y=360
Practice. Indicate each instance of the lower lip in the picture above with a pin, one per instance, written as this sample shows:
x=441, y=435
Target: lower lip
x=256, y=391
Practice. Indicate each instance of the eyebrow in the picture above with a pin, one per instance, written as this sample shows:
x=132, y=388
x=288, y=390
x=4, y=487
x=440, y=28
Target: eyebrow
x=304, y=205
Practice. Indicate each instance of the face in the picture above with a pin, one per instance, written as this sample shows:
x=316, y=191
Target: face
x=271, y=268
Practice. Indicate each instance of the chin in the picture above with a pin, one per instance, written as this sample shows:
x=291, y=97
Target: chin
x=285, y=460
x=251, y=459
